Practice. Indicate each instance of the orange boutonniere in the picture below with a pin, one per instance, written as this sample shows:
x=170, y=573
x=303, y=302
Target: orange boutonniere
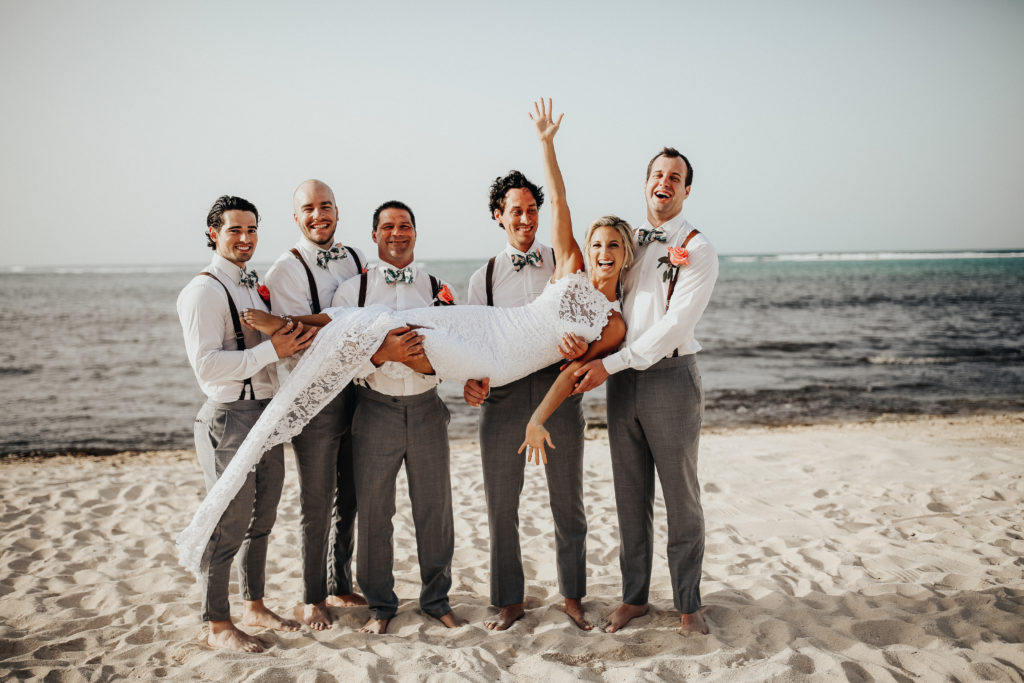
x=445, y=296
x=676, y=258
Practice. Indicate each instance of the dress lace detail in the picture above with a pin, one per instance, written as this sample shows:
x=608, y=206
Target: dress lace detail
x=462, y=342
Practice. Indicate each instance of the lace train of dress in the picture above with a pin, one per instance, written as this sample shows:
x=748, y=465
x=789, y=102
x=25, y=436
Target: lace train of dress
x=462, y=342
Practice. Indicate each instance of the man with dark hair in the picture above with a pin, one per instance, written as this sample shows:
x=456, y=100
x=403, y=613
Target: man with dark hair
x=235, y=369
x=399, y=419
x=655, y=399
x=303, y=281
x=515, y=277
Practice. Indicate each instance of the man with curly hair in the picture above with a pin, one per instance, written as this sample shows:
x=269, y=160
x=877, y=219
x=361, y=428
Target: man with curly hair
x=515, y=277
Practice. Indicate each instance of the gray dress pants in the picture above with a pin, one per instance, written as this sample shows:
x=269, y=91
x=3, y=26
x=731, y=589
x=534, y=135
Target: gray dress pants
x=503, y=419
x=323, y=458
x=387, y=432
x=654, y=419
x=245, y=525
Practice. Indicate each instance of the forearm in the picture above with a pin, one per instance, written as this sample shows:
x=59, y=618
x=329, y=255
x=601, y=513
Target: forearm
x=560, y=390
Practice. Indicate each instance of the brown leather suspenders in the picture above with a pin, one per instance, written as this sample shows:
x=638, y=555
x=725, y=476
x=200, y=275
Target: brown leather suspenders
x=675, y=275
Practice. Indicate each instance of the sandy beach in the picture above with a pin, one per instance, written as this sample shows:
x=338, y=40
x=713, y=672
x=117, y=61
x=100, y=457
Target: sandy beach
x=879, y=551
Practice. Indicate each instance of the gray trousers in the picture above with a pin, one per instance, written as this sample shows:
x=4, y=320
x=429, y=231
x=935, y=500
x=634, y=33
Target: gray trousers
x=388, y=431
x=245, y=525
x=654, y=419
x=503, y=419
x=323, y=458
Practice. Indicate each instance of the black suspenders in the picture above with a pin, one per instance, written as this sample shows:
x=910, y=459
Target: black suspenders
x=314, y=297
x=489, y=279
x=435, y=287
x=239, y=335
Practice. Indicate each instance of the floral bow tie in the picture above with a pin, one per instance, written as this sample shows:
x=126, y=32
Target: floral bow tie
x=248, y=278
x=533, y=258
x=644, y=237
x=325, y=256
x=392, y=275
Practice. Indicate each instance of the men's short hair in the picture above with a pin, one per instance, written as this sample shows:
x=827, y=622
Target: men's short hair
x=672, y=153
x=215, y=219
x=514, y=180
x=393, y=204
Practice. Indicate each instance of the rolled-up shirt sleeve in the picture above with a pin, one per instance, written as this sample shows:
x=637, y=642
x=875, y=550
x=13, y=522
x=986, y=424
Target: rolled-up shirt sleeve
x=674, y=330
x=202, y=322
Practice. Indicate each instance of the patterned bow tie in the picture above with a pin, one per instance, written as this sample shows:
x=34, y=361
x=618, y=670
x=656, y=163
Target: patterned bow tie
x=533, y=258
x=644, y=237
x=325, y=256
x=248, y=278
x=391, y=275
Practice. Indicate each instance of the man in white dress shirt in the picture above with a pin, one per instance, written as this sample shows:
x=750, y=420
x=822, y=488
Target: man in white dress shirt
x=235, y=369
x=655, y=399
x=399, y=419
x=515, y=277
x=302, y=281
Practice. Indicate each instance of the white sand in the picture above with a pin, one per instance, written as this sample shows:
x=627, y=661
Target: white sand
x=885, y=551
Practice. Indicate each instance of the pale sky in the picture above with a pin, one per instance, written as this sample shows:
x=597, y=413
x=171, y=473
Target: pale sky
x=812, y=126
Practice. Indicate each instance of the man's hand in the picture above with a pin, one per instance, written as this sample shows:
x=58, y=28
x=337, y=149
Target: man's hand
x=401, y=344
x=476, y=391
x=290, y=339
x=591, y=375
x=572, y=346
x=546, y=126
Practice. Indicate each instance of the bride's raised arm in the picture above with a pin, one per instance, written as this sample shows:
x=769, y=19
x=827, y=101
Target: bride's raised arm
x=568, y=257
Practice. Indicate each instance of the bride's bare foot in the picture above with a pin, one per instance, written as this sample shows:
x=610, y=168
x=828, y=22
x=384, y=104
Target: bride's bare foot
x=224, y=635
x=574, y=608
x=255, y=613
x=262, y=321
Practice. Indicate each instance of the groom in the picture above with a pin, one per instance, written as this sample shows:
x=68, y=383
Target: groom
x=302, y=281
x=235, y=369
x=400, y=420
x=655, y=401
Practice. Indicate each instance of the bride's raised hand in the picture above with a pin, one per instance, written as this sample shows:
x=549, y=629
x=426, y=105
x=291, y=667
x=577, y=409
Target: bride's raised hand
x=536, y=437
x=544, y=120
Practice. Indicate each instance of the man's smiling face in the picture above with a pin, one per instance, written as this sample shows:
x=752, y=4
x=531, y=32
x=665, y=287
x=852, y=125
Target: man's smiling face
x=316, y=213
x=666, y=189
x=395, y=236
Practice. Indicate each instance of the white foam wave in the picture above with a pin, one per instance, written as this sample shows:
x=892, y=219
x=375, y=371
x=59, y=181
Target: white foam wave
x=879, y=256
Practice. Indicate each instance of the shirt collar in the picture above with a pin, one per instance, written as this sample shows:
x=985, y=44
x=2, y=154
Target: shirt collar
x=229, y=269
x=309, y=248
x=670, y=227
x=382, y=266
x=512, y=251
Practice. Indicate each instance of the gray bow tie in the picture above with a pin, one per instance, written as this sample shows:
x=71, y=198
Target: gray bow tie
x=532, y=258
x=393, y=275
x=249, y=278
x=644, y=237
x=325, y=256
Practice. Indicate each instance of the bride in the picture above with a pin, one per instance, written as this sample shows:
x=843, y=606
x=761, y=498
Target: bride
x=459, y=342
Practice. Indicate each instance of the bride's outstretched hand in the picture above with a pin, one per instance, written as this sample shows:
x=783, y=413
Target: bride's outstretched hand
x=536, y=437
x=544, y=120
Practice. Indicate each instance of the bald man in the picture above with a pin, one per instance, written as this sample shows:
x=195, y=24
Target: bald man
x=303, y=281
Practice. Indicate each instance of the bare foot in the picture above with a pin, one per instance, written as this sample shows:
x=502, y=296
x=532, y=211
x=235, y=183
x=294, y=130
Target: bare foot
x=255, y=613
x=347, y=600
x=314, y=615
x=451, y=621
x=224, y=635
x=262, y=321
x=378, y=626
x=508, y=615
x=623, y=615
x=574, y=608
x=692, y=623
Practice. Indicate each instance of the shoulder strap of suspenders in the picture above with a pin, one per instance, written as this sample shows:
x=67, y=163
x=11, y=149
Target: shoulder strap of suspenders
x=489, y=281
x=435, y=287
x=313, y=295
x=239, y=335
x=355, y=258
x=675, y=275
x=363, y=278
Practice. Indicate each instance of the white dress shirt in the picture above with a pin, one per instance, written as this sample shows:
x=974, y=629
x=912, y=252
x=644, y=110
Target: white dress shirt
x=653, y=333
x=289, y=286
x=210, y=336
x=398, y=296
x=508, y=286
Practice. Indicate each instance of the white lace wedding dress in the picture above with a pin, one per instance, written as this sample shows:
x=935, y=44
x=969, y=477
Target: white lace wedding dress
x=462, y=342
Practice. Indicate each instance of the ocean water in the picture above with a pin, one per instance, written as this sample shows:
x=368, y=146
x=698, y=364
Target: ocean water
x=92, y=360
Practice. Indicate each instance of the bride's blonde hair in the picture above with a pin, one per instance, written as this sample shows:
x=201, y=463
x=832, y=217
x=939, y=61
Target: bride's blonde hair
x=625, y=233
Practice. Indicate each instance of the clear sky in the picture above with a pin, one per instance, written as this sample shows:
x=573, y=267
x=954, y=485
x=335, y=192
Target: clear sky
x=812, y=126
